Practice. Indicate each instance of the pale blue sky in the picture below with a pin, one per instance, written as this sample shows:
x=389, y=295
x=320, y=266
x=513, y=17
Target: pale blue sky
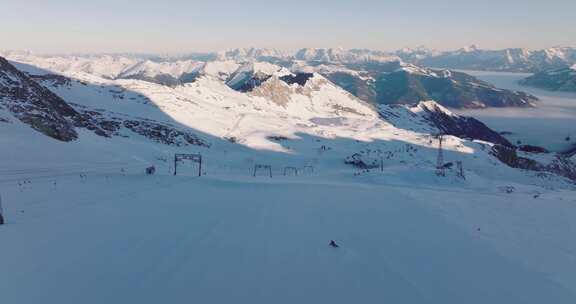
x=183, y=26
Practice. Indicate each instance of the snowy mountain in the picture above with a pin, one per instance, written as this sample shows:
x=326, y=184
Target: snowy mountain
x=166, y=73
x=400, y=83
x=255, y=102
x=106, y=66
x=556, y=80
x=253, y=74
x=456, y=125
x=512, y=60
x=343, y=56
x=31, y=103
x=252, y=54
x=334, y=55
x=376, y=77
x=467, y=58
x=415, y=54
x=29, y=97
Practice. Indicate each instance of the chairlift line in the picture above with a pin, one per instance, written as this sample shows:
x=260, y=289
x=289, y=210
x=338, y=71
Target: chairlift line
x=196, y=158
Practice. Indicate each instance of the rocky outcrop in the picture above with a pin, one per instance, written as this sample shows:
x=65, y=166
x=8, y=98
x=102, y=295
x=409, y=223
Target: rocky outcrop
x=274, y=90
x=532, y=149
x=117, y=124
x=298, y=78
x=252, y=82
x=35, y=105
x=459, y=126
x=559, y=165
x=44, y=111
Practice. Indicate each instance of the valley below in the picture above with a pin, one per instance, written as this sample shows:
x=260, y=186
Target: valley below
x=548, y=124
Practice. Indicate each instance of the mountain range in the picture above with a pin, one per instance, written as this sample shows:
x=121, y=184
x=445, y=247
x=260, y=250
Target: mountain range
x=400, y=83
x=509, y=60
x=375, y=77
x=256, y=104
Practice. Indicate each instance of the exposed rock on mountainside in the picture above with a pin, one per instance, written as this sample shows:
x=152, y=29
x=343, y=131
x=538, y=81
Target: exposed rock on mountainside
x=459, y=126
x=299, y=78
x=251, y=82
x=35, y=105
x=558, y=165
x=280, y=89
x=253, y=74
x=164, y=133
x=555, y=80
x=32, y=103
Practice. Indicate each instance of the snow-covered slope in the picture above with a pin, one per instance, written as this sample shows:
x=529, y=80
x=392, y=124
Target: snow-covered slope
x=21, y=97
x=106, y=66
x=168, y=73
x=344, y=56
x=252, y=54
x=252, y=74
x=402, y=83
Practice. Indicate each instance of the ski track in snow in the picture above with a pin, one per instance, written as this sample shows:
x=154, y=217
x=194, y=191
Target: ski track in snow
x=165, y=239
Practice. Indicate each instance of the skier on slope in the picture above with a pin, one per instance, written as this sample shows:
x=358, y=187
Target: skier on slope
x=1, y=210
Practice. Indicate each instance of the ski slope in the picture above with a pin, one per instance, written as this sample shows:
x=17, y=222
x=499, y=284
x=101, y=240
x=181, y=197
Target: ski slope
x=145, y=239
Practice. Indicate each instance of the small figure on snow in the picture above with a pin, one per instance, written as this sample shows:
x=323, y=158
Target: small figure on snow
x=150, y=170
x=333, y=244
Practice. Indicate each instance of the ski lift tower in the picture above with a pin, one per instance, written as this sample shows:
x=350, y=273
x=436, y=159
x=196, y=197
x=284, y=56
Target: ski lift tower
x=195, y=158
x=440, y=169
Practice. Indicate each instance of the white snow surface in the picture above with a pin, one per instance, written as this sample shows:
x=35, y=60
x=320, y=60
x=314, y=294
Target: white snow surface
x=151, y=69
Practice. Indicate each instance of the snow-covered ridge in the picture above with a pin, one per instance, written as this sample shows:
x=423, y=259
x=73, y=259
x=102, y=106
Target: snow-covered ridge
x=512, y=59
x=471, y=57
x=152, y=69
x=344, y=56
x=252, y=54
x=106, y=66
x=431, y=106
x=248, y=70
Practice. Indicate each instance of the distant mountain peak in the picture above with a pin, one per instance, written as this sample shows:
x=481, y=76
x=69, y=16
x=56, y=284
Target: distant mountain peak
x=469, y=49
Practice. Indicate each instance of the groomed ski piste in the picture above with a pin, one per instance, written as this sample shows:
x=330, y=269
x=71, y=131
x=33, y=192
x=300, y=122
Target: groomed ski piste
x=85, y=224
